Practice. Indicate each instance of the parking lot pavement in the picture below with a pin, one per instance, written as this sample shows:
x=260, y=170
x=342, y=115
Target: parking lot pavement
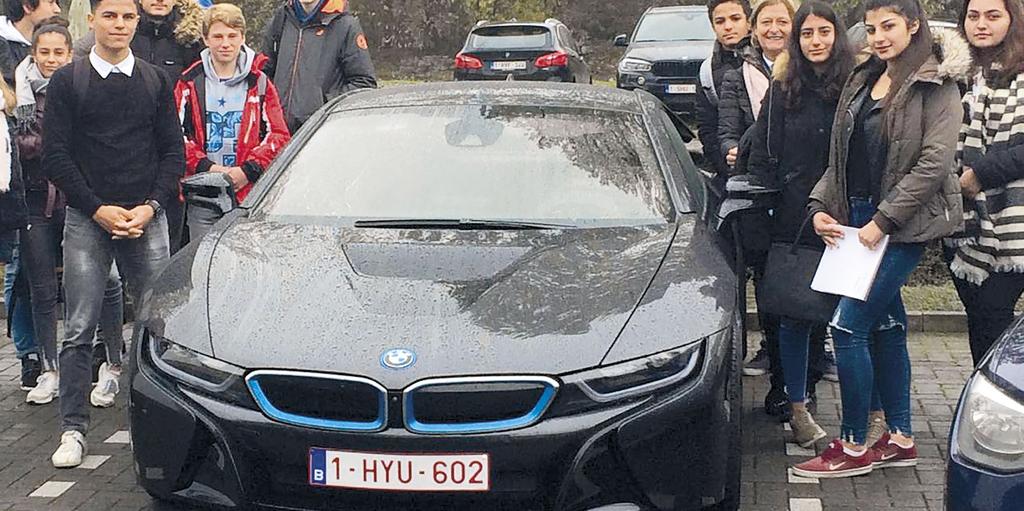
x=28, y=435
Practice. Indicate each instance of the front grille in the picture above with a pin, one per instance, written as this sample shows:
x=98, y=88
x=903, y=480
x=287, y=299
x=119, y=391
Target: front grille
x=324, y=401
x=476, y=404
x=676, y=69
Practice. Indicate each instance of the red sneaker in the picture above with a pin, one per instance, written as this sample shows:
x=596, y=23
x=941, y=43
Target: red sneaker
x=886, y=453
x=834, y=462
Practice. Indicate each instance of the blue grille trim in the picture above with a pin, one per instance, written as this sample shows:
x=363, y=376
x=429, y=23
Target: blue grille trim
x=268, y=408
x=530, y=418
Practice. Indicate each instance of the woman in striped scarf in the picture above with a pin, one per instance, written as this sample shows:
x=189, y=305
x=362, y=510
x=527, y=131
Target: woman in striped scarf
x=988, y=263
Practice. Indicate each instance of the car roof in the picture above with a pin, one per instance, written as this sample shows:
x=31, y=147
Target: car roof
x=545, y=24
x=677, y=8
x=550, y=94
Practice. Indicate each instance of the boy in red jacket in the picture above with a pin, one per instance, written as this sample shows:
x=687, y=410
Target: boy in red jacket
x=230, y=111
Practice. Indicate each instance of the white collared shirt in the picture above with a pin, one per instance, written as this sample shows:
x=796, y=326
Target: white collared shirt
x=104, y=68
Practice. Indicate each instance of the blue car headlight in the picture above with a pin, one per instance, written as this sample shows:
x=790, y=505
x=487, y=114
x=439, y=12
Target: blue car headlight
x=206, y=374
x=990, y=428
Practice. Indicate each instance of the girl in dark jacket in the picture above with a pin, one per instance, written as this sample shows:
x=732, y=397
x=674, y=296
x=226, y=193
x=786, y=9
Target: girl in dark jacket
x=789, y=151
x=988, y=266
x=890, y=172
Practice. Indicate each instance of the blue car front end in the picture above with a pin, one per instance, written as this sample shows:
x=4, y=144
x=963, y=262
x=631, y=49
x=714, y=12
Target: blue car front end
x=986, y=445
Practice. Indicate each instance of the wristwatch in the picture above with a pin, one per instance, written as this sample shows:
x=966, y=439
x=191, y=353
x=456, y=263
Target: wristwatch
x=157, y=208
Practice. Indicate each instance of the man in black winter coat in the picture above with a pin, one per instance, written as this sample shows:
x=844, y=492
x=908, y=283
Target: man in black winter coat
x=317, y=50
x=731, y=22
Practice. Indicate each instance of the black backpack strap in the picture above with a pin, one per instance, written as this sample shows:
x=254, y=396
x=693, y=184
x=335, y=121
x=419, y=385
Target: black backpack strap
x=150, y=78
x=80, y=82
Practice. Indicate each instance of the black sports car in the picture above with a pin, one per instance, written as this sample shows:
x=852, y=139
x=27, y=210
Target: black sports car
x=451, y=296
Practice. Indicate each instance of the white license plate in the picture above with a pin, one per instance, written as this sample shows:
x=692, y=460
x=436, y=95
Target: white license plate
x=681, y=88
x=508, y=66
x=399, y=472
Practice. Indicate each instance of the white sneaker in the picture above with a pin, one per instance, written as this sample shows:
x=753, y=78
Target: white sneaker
x=46, y=389
x=106, y=388
x=71, y=450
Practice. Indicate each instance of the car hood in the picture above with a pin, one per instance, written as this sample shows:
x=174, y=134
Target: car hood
x=1007, y=356
x=481, y=302
x=670, y=50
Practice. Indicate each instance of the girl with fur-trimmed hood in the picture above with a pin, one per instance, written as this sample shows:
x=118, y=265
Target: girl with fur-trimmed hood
x=890, y=172
x=988, y=265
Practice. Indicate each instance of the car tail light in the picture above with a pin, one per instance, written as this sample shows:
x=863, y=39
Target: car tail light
x=556, y=59
x=463, y=61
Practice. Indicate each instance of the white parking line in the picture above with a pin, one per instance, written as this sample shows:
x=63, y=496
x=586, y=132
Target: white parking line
x=804, y=504
x=121, y=437
x=52, y=489
x=796, y=450
x=93, y=461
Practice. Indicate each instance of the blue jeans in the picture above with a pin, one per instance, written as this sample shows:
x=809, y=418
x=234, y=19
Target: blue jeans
x=20, y=315
x=871, y=341
x=88, y=254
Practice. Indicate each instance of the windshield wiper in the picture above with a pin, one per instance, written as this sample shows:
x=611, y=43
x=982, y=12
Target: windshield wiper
x=462, y=224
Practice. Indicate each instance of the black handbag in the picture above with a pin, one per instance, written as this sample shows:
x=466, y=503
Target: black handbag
x=785, y=287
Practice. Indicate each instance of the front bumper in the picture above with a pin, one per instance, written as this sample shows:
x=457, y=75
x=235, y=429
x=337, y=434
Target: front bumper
x=667, y=451
x=683, y=103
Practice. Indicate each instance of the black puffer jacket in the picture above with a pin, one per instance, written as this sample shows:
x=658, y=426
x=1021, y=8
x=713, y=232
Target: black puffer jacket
x=789, y=151
x=722, y=61
x=735, y=114
x=171, y=43
x=11, y=54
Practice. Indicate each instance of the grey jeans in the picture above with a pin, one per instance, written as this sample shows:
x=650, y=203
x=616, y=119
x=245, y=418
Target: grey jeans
x=200, y=220
x=88, y=254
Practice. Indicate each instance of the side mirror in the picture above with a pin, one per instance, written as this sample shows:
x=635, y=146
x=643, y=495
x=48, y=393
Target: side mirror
x=621, y=40
x=744, y=194
x=210, y=190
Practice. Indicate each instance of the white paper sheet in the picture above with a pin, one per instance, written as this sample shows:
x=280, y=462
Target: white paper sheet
x=849, y=269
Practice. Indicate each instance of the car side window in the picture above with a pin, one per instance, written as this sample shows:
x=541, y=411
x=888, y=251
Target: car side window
x=684, y=172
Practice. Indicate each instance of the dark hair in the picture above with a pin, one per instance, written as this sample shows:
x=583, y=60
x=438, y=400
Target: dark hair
x=713, y=4
x=920, y=48
x=93, y=4
x=53, y=25
x=16, y=8
x=1009, y=54
x=801, y=75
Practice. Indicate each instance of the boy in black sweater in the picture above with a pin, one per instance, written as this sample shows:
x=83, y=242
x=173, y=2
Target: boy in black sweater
x=113, y=144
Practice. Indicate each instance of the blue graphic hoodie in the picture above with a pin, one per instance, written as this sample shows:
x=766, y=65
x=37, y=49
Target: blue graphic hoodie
x=225, y=100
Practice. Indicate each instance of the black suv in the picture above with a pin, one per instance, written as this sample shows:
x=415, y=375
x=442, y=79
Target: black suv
x=522, y=51
x=665, y=53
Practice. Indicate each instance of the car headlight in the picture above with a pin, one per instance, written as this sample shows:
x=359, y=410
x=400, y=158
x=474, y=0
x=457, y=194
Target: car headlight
x=214, y=377
x=633, y=379
x=990, y=430
x=631, y=65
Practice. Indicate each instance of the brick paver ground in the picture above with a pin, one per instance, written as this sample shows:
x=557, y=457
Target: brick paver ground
x=28, y=435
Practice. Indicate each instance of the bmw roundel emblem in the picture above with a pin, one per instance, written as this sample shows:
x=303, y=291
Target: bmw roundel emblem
x=398, y=358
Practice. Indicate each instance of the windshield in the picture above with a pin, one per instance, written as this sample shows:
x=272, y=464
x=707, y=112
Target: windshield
x=509, y=38
x=560, y=166
x=675, y=26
